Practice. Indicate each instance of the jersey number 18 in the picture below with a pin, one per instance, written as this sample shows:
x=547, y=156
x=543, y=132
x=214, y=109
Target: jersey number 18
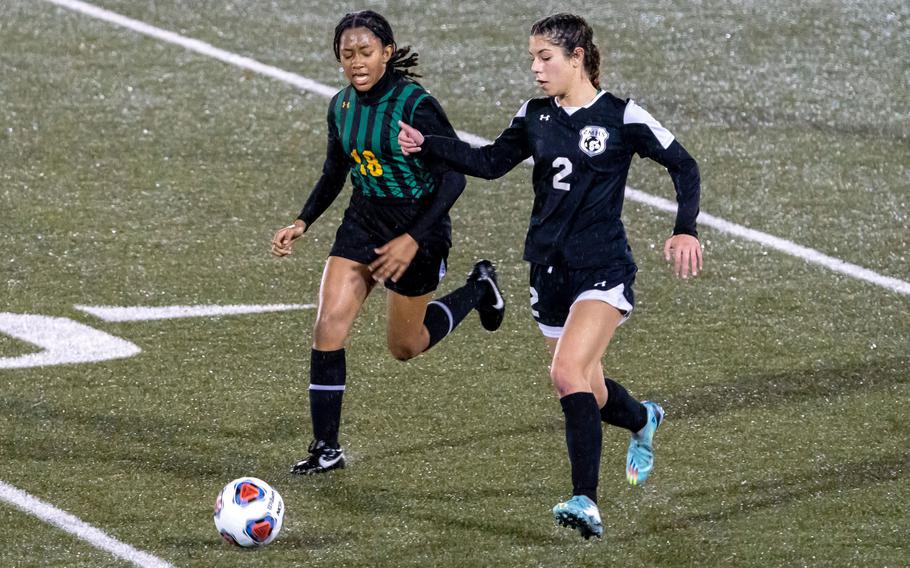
x=372, y=163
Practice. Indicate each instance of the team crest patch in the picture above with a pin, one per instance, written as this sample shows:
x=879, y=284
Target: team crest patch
x=593, y=140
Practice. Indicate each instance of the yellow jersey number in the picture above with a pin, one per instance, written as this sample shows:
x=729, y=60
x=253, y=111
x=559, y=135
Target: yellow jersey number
x=372, y=164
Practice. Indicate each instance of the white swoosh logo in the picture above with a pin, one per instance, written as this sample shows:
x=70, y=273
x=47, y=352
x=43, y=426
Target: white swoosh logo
x=499, y=301
x=328, y=463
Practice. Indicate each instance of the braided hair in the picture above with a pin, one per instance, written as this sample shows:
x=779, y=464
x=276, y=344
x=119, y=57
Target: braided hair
x=569, y=31
x=402, y=59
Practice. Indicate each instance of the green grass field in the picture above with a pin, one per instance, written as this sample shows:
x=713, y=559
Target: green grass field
x=136, y=173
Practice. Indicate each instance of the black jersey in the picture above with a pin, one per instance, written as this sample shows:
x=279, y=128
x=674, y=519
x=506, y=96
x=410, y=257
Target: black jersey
x=581, y=162
x=363, y=144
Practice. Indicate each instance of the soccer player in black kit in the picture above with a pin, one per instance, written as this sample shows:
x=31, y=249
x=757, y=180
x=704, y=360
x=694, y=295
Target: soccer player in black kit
x=396, y=229
x=582, y=139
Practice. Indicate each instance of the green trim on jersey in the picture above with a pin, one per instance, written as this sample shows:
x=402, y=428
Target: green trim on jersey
x=414, y=106
x=346, y=133
x=423, y=177
x=369, y=137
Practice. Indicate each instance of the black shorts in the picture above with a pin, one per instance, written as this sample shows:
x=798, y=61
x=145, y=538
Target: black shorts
x=555, y=288
x=368, y=225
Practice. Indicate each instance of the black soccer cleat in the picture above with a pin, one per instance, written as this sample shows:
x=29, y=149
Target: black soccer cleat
x=321, y=459
x=492, y=306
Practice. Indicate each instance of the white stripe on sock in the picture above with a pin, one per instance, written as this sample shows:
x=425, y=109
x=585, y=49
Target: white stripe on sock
x=448, y=312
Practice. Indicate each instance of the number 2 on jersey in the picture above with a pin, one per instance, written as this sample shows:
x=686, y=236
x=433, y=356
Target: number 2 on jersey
x=566, y=170
x=372, y=163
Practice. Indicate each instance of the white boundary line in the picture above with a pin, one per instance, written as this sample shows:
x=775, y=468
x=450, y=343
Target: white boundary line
x=145, y=313
x=73, y=525
x=809, y=255
x=770, y=241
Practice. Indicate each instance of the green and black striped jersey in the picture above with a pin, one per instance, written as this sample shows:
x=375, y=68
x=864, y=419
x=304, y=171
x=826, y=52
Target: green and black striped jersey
x=367, y=129
x=363, y=144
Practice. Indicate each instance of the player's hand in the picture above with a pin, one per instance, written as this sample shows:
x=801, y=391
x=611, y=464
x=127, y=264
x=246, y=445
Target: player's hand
x=394, y=258
x=410, y=139
x=285, y=237
x=684, y=251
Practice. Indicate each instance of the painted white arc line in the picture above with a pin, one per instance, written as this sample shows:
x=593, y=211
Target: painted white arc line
x=142, y=313
x=62, y=341
x=777, y=243
x=77, y=527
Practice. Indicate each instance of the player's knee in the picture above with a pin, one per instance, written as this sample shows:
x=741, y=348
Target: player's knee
x=330, y=328
x=404, y=350
x=567, y=376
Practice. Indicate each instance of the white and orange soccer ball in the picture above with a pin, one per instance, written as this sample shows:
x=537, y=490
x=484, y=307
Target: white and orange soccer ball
x=248, y=512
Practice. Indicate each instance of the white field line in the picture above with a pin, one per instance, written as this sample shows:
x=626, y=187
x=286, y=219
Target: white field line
x=62, y=341
x=73, y=525
x=141, y=313
x=809, y=255
x=770, y=241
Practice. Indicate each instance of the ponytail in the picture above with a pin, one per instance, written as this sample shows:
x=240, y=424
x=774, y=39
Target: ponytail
x=402, y=60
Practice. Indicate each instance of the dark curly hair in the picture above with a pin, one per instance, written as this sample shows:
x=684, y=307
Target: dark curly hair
x=569, y=31
x=402, y=59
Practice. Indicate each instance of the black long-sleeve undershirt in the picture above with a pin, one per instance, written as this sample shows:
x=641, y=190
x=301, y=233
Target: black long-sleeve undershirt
x=450, y=184
x=334, y=172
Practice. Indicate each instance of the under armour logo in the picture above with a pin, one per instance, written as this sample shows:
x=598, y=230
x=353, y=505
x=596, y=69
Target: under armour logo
x=545, y=117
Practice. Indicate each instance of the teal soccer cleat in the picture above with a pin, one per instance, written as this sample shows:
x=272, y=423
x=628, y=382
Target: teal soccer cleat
x=640, y=458
x=581, y=514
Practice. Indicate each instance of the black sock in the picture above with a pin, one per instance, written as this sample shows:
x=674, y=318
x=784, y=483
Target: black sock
x=327, y=375
x=584, y=438
x=622, y=409
x=444, y=315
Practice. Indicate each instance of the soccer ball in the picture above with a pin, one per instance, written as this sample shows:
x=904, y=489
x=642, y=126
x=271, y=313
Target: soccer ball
x=248, y=512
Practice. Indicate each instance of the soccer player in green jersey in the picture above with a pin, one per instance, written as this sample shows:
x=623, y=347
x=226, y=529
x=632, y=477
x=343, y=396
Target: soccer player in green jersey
x=396, y=229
